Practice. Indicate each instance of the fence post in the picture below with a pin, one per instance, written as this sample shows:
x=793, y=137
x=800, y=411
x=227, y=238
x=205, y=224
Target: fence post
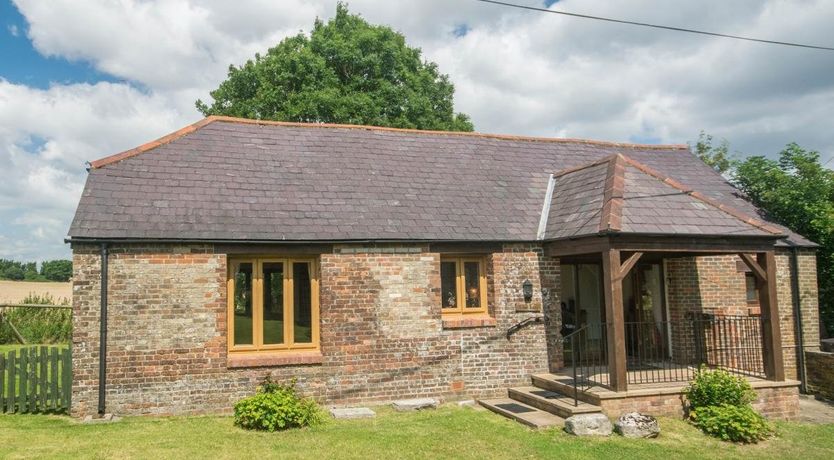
x=53, y=365
x=66, y=379
x=12, y=380
x=2, y=383
x=43, y=386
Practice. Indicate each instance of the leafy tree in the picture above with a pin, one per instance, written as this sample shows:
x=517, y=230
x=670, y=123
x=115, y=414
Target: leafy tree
x=57, y=270
x=716, y=156
x=798, y=192
x=346, y=71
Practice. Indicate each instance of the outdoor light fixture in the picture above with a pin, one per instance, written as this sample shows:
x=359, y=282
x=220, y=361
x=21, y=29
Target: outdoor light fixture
x=527, y=289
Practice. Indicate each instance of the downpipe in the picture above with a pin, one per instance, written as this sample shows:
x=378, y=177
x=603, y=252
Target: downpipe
x=102, y=340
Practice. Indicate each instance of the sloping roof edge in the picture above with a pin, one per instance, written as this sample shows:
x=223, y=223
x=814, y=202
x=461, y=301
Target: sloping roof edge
x=747, y=219
x=213, y=118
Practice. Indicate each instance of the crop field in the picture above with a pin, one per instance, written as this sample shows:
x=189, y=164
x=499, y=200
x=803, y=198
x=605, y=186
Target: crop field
x=16, y=291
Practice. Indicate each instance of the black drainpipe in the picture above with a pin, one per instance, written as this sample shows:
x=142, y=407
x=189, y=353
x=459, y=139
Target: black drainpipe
x=102, y=340
x=797, y=314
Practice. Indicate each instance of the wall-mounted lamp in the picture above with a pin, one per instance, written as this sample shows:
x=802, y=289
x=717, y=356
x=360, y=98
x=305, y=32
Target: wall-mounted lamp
x=527, y=289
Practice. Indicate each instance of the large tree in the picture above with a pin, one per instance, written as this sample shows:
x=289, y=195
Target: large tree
x=346, y=71
x=795, y=190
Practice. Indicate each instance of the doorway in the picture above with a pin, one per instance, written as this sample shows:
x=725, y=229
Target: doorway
x=646, y=316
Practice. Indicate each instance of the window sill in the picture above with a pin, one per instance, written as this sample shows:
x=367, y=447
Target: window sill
x=463, y=322
x=282, y=358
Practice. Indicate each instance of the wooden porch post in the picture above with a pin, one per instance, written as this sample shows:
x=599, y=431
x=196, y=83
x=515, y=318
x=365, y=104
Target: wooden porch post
x=612, y=286
x=772, y=334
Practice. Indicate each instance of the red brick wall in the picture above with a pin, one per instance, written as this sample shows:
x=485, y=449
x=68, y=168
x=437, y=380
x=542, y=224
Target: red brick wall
x=382, y=337
x=713, y=284
x=777, y=403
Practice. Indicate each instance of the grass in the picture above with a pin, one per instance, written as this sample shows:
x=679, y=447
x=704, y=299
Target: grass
x=449, y=432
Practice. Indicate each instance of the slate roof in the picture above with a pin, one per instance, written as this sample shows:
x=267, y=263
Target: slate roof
x=619, y=194
x=233, y=179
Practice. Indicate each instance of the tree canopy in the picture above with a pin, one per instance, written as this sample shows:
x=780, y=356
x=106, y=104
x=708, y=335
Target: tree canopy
x=346, y=71
x=51, y=270
x=795, y=190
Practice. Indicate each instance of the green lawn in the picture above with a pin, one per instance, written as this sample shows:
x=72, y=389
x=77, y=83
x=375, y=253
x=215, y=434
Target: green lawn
x=5, y=348
x=449, y=432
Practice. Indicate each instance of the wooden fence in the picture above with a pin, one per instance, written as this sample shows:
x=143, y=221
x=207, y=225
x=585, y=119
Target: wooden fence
x=36, y=379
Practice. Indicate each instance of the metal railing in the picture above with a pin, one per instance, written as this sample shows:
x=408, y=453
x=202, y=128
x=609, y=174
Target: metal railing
x=668, y=351
x=586, y=350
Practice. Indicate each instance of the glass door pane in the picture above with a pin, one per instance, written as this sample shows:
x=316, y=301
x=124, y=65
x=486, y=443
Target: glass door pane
x=273, y=295
x=243, y=304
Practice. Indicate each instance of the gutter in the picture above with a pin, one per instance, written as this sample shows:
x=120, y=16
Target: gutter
x=102, y=340
x=797, y=315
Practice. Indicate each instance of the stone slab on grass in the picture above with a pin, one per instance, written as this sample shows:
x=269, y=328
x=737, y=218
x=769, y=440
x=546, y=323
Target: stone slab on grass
x=415, y=404
x=589, y=425
x=352, y=412
x=106, y=418
x=637, y=425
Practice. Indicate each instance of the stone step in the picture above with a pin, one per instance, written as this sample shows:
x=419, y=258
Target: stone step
x=564, y=385
x=522, y=413
x=549, y=401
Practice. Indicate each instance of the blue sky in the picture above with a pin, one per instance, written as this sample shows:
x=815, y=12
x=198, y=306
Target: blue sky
x=20, y=63
x=83, y=80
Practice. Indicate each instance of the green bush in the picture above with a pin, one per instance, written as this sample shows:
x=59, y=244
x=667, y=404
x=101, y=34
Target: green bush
x=732, y=423
x=276, y=407
x=39, y=325
x=718, y=388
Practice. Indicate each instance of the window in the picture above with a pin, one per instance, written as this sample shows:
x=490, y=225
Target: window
x=273, y=304
x=463, y=285
x=752, y=291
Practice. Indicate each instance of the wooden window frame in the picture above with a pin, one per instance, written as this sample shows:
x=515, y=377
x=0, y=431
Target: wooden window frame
x=258, y=347
x=460, y=286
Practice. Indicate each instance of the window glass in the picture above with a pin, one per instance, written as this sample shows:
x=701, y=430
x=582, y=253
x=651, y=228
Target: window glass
x=302, y=303
x=752, y=292
x=243, y=304
x=273, y=297
x=448, y=284
x=472, y=284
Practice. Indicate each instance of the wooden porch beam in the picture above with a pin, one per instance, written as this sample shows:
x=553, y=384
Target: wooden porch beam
x=628, y=265
x=772, y=333
x=757, y=269
x=614, y=317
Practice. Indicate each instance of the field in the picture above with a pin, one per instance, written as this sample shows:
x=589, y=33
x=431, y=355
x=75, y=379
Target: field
x=16, y=291
x=448, y=432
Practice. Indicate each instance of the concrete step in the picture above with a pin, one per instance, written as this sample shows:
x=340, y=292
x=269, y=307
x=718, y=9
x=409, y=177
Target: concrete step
x=564, y=385
x=522, y=413
x=549, y=401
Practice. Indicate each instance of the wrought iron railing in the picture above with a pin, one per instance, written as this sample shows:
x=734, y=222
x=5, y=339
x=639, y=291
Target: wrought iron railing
x=585, y=349
x=668, y=351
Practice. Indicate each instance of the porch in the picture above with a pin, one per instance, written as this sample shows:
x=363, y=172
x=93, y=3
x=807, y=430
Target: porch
x=620, y=330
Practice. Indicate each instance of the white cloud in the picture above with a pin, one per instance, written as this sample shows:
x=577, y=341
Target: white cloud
x=13, y=30
x=515, y=72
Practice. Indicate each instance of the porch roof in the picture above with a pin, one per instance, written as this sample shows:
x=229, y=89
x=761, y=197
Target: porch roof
x=621, y=195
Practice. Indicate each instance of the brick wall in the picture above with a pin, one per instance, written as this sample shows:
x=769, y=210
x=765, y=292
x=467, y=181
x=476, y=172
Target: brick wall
x=776, y=403
x=714, y=284
x=820, y=367
x=382, y=336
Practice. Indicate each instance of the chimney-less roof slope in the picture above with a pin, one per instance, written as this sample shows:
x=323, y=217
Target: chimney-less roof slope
x=249, y=180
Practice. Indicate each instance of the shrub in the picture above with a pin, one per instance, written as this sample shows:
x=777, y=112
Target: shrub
x=732, y=423
x=276, y=406
x=718, y=388
x=39, y=325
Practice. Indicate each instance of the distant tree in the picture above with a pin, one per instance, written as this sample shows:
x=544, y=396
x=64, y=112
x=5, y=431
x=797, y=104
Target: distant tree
x=13, y=272
x=716, y=156
x=797, y=192
x=347, y=71
x=57, y=270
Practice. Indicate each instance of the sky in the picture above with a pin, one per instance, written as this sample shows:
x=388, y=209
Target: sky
x=83, y=80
